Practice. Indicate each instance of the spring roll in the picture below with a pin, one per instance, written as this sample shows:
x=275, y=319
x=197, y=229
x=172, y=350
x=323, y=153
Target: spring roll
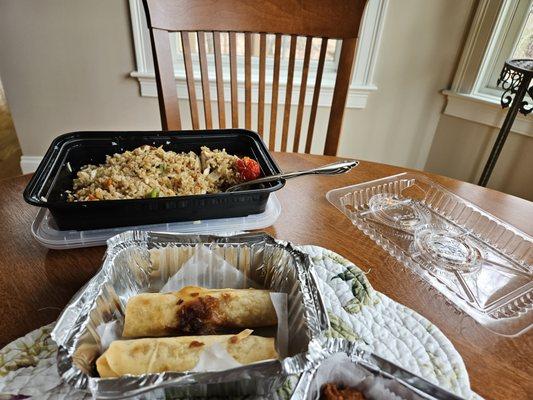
x=196, y=310
x=178, y=354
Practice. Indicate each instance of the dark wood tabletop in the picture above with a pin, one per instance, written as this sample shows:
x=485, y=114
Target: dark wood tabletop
x=36, y=283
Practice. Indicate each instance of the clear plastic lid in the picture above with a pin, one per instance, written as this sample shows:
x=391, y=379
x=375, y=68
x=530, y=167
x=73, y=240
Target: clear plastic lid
x=45, y=231
x=480, y=263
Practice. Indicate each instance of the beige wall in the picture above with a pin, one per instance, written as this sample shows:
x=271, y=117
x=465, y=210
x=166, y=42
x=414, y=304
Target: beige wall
x=420, y=47
x=461, y=148
x=65, y=66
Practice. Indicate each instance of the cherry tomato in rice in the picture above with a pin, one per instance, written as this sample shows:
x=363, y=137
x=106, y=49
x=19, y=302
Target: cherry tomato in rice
x=248, y=168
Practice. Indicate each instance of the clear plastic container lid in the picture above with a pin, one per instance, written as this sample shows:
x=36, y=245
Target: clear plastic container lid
x=480, y=263
x=45, y=231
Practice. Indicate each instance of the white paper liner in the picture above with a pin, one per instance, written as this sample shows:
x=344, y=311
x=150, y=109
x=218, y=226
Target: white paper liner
x=215, y=358
x=279, y=300
x=109, y=332
x=206, y=269
x=339, y=369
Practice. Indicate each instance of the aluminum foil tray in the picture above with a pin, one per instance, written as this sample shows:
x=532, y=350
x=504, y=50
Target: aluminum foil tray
x=483, y=265
x=339, y=361
x=127, y=270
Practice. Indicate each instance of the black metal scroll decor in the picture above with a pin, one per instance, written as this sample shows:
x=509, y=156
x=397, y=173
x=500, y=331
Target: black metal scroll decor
x=515, y=80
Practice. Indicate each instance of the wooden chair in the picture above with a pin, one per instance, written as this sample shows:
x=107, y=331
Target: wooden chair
x=325, y=19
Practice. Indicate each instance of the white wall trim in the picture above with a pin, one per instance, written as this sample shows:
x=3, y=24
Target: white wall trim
x=470, y=97
x=371, y=32
x=484, y=110
x=29, y=164
x=357, y=97
x=504, y=35
x=369, y=42
x=492, y=36
x=468, y=57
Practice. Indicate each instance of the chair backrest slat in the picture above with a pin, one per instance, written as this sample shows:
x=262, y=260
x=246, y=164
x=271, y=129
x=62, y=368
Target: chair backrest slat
x=229, y=20
x=205, y=80
x=261, y=89
x=233, y=78
x=316, y=94
x=189, y=73
x=248, y=80
x=288, y=94
x=166, y=86
x=342, y=84
x=275, y=88
x=220, y=81
x=301, y=100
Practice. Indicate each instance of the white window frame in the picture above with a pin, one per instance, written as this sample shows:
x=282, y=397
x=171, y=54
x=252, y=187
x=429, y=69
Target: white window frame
x=361, y=85
x=474, y=95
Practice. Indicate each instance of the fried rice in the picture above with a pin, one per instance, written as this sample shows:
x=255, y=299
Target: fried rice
x=149, y=171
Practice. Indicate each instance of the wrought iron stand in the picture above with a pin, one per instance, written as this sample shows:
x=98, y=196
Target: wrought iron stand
x=515, y=79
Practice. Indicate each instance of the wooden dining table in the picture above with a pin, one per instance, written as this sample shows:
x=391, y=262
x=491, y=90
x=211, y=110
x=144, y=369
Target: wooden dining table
x=36, y=282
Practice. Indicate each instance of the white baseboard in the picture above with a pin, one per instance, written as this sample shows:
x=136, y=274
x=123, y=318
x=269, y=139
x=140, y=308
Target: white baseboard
x=29, y=164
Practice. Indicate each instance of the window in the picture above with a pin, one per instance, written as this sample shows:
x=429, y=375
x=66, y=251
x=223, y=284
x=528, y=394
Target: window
x=511, y=25
x=362, y=81
x=524, y=44
x=501, y=29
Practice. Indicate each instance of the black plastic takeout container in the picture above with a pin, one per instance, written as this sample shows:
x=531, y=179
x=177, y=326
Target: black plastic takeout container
x=69, y=152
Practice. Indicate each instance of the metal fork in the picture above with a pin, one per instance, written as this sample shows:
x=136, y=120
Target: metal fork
x=329, y=169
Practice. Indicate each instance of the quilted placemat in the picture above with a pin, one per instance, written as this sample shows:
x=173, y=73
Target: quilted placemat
x=357, y=312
